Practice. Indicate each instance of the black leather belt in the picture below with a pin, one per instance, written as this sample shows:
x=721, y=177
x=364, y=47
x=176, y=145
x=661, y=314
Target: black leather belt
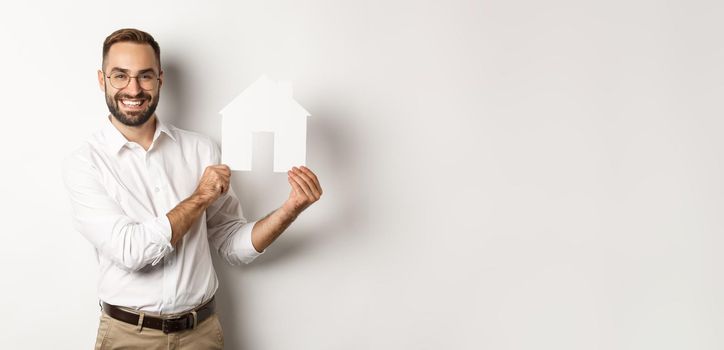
x=176, y=323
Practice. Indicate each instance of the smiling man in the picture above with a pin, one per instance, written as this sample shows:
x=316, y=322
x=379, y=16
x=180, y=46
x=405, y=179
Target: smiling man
x=153, y=201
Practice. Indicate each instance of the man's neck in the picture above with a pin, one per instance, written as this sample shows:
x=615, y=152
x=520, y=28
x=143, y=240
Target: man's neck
x=142, y=134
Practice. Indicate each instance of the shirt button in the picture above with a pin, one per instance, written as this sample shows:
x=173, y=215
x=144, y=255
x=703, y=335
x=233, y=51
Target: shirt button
x=156, y=189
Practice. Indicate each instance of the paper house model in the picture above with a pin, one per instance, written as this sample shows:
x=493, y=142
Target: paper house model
x=265, y=106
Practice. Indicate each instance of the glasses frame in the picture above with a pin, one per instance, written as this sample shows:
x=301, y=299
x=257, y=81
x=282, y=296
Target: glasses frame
x=158, y=79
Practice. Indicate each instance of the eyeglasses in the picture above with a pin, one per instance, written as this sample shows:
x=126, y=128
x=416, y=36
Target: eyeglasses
x=147, y=80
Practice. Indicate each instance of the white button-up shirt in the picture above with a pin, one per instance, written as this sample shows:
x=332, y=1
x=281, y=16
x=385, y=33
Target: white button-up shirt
x=120, y=194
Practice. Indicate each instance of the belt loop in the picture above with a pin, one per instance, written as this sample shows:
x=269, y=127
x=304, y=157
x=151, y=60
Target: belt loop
x=140, y=322
x=193, y=312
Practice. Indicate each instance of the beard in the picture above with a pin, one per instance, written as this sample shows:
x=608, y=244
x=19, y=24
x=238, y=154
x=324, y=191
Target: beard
x=134, y=118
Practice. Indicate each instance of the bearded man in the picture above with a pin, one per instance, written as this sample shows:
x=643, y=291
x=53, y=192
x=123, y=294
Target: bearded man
x=153, y=200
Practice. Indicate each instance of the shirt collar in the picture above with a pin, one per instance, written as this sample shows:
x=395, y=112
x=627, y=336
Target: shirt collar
x=161, y=127
x=116, y=141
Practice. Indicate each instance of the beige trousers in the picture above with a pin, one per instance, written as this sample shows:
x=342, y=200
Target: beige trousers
x=115, y=334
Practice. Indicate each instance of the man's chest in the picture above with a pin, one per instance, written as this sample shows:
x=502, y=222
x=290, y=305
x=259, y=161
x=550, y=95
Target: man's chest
x=149, y=184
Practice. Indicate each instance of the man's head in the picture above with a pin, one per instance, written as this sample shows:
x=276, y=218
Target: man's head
x=131, y=75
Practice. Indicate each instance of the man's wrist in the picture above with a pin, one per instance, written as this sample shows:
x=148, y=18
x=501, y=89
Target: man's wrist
x=288, y=214
x=201, y=199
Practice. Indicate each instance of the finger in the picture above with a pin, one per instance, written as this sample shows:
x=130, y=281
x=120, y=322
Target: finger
x=219, y=166
x=224, y=181
x=295, y=187
x=221, y=179
x=302, y=185
x=310, y=182
x=222, y=169
x=220, y=188
x=213, y=169
x=221, y=184
x=314, y=178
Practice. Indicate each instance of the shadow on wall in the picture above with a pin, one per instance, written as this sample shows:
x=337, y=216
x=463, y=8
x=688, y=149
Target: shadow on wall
x=332, y=152
x=174, y=99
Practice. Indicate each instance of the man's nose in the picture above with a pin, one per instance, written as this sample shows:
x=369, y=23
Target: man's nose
x=133, y=88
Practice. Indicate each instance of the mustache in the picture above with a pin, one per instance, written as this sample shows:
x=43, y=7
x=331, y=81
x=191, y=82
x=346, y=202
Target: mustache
x=140, y=95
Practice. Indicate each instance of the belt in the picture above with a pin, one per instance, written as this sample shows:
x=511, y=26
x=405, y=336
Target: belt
x=173, y=323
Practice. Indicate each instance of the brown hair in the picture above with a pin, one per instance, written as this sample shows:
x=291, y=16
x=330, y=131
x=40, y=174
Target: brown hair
x=132, y=35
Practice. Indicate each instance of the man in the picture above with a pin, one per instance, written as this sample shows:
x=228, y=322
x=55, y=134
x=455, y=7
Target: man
x=151, y=198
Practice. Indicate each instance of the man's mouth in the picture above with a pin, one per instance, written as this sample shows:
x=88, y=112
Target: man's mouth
x=133, y=104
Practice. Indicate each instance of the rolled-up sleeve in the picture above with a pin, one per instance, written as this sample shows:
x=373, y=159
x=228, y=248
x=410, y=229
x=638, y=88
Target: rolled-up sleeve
x=129, y=243
x=229, y=232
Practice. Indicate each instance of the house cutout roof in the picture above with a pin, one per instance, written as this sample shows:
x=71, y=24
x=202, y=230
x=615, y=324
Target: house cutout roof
x=265, y=106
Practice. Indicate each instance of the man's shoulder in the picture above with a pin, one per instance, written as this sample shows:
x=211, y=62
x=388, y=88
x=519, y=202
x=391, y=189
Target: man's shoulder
x=80, y=160
x=88, y=149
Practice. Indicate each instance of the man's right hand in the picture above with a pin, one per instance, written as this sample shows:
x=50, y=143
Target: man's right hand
x=214, y=182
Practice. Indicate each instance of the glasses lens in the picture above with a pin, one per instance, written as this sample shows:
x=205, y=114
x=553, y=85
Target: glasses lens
x=147, y=81
x=119, y=80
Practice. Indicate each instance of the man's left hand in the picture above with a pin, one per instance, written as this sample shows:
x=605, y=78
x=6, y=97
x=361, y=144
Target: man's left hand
x=305, y=190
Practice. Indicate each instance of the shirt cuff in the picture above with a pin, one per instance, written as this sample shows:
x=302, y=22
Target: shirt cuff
x=243, y=245
x=161, y=226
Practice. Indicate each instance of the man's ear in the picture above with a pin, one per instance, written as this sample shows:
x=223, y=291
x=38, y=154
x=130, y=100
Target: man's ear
x=160, y=78
x=101, y=80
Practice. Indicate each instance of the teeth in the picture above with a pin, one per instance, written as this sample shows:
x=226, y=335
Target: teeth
x=131, y=103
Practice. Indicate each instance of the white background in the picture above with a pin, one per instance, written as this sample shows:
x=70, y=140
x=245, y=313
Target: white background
x=497, y=174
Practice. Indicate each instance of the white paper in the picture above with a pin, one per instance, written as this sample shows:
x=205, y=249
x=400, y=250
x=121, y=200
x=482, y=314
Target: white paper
x=265, y=106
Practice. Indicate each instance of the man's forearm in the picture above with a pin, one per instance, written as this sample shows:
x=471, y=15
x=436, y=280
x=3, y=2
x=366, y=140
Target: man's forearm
x=266, y=230
x=184, y=215
x=305, y=191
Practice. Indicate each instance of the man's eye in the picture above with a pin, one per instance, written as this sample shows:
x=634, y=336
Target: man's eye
x=147, y=77
x=119, y=76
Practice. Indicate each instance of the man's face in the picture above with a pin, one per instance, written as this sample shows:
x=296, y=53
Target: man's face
x=135, y=103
